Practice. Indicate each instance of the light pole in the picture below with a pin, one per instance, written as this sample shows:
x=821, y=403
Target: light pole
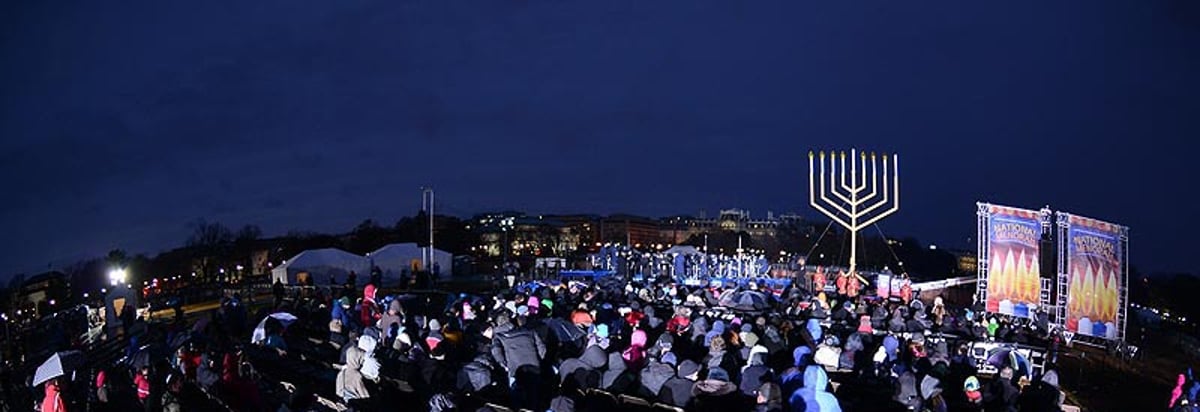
x=427, y=206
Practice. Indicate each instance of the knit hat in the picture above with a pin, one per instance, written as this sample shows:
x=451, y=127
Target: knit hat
x=581, y=317
x=749, y=338
x=687, y=368
x=522, y=310
x=801, y=355
x=669, y=358
x=971, y=384
x=601, y=331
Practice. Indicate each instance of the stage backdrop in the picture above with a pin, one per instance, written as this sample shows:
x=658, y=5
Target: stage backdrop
x=1012, y=249
x=1094, y=273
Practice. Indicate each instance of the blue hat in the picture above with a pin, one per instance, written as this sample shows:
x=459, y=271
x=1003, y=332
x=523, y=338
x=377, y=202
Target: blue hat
x=801, y=355
x=718, y=374
x=602, y=330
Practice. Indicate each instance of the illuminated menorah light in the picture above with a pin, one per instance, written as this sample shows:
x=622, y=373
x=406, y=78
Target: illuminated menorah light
x=850, y=204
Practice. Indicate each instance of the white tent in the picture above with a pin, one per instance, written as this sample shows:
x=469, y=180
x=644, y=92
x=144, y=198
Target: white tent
x=684, y=250
x=395, y=258
x=320, y=264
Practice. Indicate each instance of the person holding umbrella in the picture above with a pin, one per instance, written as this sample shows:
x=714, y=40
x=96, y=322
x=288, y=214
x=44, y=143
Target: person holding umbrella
x=53, y=401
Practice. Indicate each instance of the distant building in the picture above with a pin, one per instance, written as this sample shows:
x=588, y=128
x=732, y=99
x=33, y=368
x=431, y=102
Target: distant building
x=44, y=293
x=517, y=235
x=630, y=230
x=966, y=263
x=677, y=229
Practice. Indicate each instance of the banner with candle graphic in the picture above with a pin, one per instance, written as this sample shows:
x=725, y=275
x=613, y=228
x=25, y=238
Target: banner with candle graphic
x=1013, y=284
x=1094, y=270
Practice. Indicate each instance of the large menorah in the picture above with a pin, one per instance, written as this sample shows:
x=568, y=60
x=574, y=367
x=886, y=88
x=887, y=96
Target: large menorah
x=850, y=205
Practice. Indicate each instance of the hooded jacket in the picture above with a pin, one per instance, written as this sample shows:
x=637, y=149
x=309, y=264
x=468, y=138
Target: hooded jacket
x=475, y=375
x=756, y=373
x=53, y=401
x=1177, y=391
x=635, y=354
x=813, y=397
x=387, y=319
x=1000, y=396
x=931, y=394
x=1043, y=396
x=617, y=379
x=677, y=391
x=517, y=348
x=906, y=391
x=655, y=375
x=349, y=384
x=717, y=394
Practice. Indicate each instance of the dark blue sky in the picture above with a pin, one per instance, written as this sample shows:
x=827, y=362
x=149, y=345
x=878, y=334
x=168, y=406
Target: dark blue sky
x=120, y=123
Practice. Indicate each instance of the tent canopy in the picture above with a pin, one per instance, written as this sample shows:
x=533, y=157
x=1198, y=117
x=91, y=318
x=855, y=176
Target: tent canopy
x=320, y=264
x=395, y=258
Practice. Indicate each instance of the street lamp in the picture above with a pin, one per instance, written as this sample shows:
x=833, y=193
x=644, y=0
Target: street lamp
x=117, y=276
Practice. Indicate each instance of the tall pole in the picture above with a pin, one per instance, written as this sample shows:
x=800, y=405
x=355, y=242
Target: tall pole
x=427, y=206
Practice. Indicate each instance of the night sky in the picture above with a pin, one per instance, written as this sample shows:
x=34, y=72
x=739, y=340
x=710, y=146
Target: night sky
x=121, y=123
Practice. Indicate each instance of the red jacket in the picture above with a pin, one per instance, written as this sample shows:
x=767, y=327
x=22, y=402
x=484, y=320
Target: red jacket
x=143, y=387
x=53, y=401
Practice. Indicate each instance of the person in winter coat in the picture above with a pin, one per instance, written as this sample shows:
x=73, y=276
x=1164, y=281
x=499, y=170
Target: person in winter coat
x=653, y=376
x=1177, y=391
x=768, y=398
x=475, y=376
x=1001, y=395
x=142, y=382
x=971, y=391
x=756, y=372
x=717, y=393
x=102, y=387
x=391, y=321
x=813, y=397
x=931, y=394
x=793, y=378
x=53, y=401
x=677, y=391
x=349, y=383
x=906, y=391
x=170, y=398
x=635, y=354
x=1043, y=395
x=516, y=348
x=719, y=357
x=618, y=379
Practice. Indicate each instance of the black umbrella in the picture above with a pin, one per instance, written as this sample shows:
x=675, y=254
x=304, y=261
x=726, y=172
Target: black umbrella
x=143, y=356
x=180, y=339
x=564, y=330
x=1008, y=357
x=746, y=300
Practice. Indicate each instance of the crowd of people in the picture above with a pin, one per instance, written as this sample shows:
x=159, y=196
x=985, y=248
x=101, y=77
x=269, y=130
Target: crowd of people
x=565, y=345
x=550, y=346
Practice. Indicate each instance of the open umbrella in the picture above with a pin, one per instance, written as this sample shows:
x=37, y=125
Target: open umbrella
x=1002, y=357
x=58, y=365
x=142, y=357
x=200, y=325
x=746, y=300
x=260, y=331
x=180, y=339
